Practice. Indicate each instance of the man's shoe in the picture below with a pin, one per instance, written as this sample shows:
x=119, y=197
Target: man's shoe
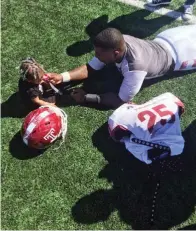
x=157, y=2
x=188, y=11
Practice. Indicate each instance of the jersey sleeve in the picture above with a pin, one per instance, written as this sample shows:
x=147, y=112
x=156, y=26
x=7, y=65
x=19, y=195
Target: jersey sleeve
x=33, y=93
x=118, y=132
x=27, y=90
x=122, y=121
x=131, y=84
x=96, y=64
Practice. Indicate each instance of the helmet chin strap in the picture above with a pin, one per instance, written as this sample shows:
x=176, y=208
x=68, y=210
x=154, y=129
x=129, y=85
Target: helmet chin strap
x=46, y=79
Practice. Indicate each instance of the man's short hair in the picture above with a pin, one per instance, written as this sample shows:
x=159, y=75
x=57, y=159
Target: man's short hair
x=109, y=38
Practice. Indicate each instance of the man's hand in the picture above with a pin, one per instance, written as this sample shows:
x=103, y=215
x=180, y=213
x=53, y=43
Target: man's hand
x=55, y=78
x=78, y=95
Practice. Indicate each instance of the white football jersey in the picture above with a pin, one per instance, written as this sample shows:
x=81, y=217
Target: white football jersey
x=156, y=121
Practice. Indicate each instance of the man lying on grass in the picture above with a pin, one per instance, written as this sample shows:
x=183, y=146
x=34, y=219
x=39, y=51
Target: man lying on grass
x=136, y=59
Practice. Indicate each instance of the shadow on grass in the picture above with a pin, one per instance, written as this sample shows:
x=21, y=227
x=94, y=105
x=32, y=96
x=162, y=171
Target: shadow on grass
x=13, y=107
x=108, y=79
x=176, y=198
x=134, y=24
x=189, y=227
x=173, y=75
x=20, y=151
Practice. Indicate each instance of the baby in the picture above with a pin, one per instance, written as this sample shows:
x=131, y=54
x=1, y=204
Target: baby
x=34, y=88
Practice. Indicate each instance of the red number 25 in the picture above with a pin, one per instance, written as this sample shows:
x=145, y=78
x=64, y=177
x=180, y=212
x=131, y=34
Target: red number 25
x=161, y=110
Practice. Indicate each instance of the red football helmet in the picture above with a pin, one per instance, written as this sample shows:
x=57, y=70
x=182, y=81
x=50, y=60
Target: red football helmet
x=43, y=126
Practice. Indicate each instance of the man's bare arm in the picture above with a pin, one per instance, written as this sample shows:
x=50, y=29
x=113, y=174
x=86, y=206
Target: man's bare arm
x=78, y=73
x=81, y=72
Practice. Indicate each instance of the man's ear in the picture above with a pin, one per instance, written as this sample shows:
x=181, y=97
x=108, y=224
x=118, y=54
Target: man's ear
x=116, y=53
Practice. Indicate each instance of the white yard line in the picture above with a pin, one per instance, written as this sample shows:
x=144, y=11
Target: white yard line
x=159, y=10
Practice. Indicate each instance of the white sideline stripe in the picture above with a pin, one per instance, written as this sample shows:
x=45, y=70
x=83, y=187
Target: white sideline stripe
x=159, y=10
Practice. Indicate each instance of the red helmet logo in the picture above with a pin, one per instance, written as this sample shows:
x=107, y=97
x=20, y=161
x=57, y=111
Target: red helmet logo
x=43, y=126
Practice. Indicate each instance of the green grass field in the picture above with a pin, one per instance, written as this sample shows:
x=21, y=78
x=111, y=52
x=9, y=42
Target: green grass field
x=89, y=182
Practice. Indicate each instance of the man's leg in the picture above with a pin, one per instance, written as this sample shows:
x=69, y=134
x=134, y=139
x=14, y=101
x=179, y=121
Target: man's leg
x=181, y=42
x=188, y=10
x=158, y=2
x=189, y=2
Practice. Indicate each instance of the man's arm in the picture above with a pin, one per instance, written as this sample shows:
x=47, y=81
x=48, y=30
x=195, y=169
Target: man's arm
x=129, y=88
x=108, y=99
x=111, y=99
x=78, y=73
x=131, y=84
